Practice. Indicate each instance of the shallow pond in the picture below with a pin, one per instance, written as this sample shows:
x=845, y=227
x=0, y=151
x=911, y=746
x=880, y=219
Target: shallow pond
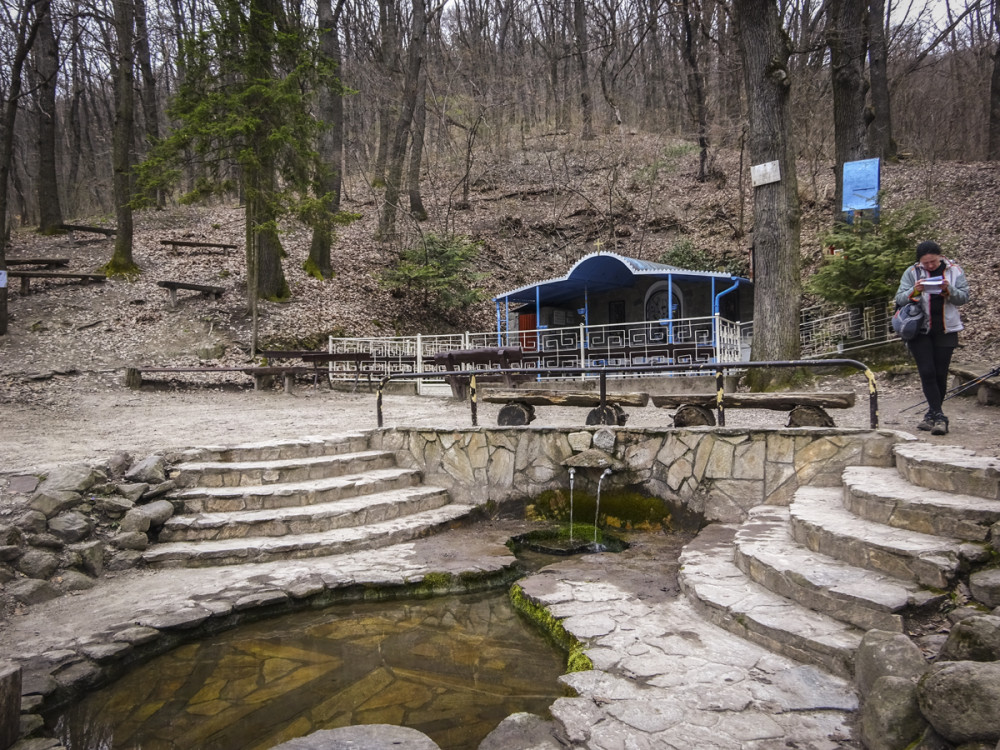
x=452, y=667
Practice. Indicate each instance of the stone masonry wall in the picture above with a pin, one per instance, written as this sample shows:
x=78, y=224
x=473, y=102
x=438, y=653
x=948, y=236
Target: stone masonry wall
x=719, y=473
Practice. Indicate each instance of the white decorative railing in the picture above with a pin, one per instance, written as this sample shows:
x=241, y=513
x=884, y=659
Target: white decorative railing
x=824, y=330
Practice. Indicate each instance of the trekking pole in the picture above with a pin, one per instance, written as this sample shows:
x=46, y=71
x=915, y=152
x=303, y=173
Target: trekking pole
x=960, y=389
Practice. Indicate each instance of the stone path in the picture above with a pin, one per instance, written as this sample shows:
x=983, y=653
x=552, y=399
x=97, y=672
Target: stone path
x=663, y=677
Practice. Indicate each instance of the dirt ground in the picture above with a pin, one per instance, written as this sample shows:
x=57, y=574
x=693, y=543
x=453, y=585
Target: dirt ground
x=84, y=417
x=63, y=397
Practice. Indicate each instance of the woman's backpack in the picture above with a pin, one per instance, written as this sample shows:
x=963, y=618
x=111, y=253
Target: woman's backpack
x=908, y=320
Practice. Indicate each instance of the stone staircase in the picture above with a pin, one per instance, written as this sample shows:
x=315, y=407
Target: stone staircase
x=295, y=499
x=884, y=550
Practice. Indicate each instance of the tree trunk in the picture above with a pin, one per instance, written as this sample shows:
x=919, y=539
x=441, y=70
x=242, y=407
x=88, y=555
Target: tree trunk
x=397, y=153
x=150, y=104
x=267, y=280
x=765, y=49
x=846, y=37
x=696, y=84
x=330, y=107
x=47, y=67
x=993, y=148
x=417, y=147
x=580, y=51
x=121, y=137
x=880, y=141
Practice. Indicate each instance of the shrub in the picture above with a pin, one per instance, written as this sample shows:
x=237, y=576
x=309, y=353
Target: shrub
x=684, y=254
x=439, y=268
x=872, y=256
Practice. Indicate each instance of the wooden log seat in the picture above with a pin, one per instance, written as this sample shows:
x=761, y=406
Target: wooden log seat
x=519, y=404
x=43, y=263
x=262, y=376
x=805, y=409
x=363, y=362
x=134, y=375
x=207, y=246
x=27, y=276
x=987, y=392
x=205, y=290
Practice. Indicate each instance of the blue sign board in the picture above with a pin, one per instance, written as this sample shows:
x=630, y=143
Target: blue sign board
x=861, y=185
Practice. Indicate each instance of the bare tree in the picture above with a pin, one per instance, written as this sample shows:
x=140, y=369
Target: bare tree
x=580, y=51
x=993, y=149
x=123, y=66
x=880, y=138
x=848, y=40
x=764, y=46
x=46, y=55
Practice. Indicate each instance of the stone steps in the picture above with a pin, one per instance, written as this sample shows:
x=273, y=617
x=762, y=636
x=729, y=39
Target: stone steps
x=883, y=496
x=304, y=519
x=277, y=471
x=726, y=596
x=298, y=546
x=268, y=496
x=949, y=468
x=767, y=554
x=292, y=500
x=819, y=521
x=277, y=450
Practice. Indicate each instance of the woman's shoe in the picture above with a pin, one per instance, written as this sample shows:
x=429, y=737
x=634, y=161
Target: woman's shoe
x=940, y=425
x=927, y=423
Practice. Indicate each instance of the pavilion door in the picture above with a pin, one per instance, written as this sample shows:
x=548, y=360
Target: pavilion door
x=528, y=323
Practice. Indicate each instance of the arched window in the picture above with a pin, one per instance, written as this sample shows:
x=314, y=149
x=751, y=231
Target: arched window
x=664, y=301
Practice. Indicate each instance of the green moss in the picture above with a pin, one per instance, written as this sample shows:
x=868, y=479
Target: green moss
x=314, y=270
x=576, y=659
x=625, y=510
x=117, y=268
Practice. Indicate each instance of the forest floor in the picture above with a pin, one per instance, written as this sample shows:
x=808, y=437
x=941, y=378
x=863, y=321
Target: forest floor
x=62, y=364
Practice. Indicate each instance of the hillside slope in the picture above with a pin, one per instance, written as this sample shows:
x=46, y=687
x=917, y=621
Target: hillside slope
x=536, y=211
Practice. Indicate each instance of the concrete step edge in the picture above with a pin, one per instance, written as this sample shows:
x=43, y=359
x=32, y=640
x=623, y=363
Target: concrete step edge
x=727, y=597
x=285, y=448
x=355, y=511
x=766, y=552
x=819, y=521
x=882, y=495
x=263, y=549
x=948, y=468
x=224, y=474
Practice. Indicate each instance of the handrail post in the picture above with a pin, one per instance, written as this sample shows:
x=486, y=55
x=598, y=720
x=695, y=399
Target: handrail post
x=872, y=399
x=720, y=385
x=604, y=390
x=378, y=399
x=472, y=400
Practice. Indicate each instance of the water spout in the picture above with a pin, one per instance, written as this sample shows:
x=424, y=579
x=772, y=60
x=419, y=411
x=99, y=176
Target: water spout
x=597, y=511
x=572, y=473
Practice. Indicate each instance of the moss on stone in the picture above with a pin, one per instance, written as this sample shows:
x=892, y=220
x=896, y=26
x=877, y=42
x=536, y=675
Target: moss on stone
x=576, y=659
x=623, y=509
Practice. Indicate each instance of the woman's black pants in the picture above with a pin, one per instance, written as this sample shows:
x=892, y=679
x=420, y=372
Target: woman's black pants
x=932, y=364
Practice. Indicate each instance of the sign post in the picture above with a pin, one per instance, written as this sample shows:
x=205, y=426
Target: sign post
x=861, y=185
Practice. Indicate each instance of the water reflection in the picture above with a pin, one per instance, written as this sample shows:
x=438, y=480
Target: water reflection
x=452, y=667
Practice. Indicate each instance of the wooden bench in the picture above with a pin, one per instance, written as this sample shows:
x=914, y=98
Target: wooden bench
x=987, y=392
x=95, y=230
x=45, y=263
x=27, y=276
x=209, y=246
x=467, y=359
x=205, y=290
x=807, y=409
x=262, y=376
x=519, y=404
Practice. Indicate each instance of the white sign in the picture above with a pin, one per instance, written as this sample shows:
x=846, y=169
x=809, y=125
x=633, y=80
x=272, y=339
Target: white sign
x=764, y=174
x=3, y=279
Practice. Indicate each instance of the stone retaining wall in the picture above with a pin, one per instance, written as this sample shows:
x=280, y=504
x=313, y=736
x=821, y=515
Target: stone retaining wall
x=718, y=473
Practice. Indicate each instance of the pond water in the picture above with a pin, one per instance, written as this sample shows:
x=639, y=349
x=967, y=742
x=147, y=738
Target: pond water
x=452, y=667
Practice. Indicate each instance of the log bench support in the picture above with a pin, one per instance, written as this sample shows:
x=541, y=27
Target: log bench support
x=519, y=404
x=205, y=290
x=805, y=409
x=210, y=246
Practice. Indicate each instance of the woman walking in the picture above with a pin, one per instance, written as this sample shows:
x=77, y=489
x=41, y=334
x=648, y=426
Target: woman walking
x=940, y=286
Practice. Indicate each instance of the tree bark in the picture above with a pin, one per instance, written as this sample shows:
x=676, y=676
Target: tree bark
x=417, y=209
x=765, y=50
x=330, y=107
x=580, y=45
x=401, y=133
x=47, y=67
x=993, y=147
x=848, y=42
x=880, y=139
x=150, y=103
x=696, y=82
x=121, y=138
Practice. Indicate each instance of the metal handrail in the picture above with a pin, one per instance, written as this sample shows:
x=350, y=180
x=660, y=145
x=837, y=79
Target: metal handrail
x=718, y=368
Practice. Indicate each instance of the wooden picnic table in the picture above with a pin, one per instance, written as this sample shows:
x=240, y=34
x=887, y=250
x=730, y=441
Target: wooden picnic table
x=27, y=276
x=47, y=263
